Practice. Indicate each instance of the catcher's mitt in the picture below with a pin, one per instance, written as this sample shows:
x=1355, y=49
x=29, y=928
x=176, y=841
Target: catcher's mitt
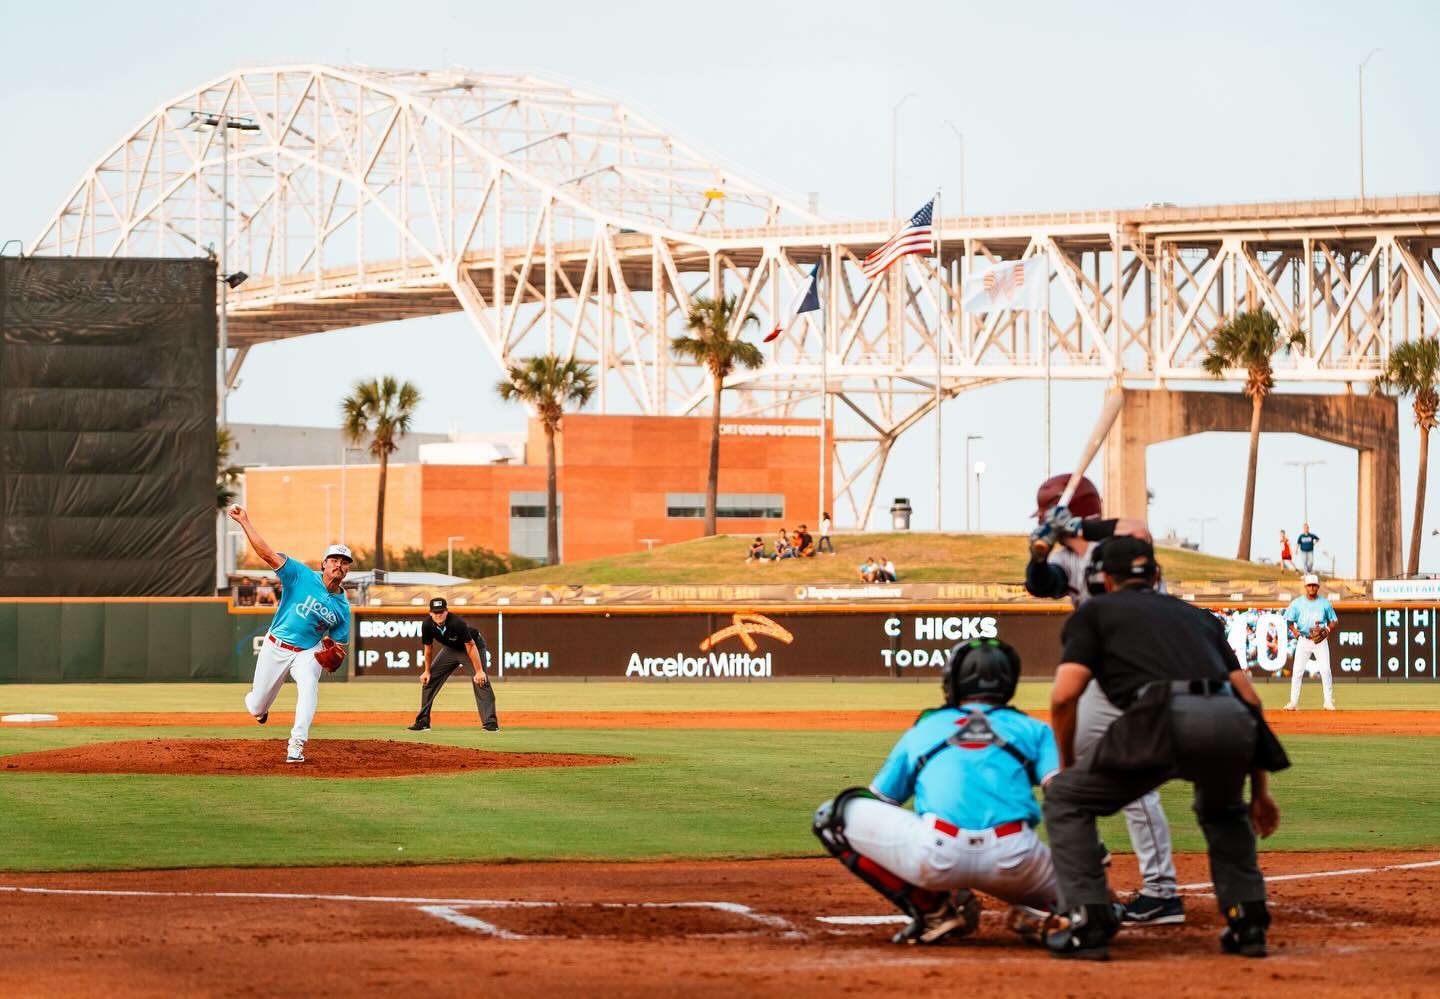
x=331, y=654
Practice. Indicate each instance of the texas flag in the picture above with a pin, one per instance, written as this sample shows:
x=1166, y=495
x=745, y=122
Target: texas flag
x=1010, y=284
x=809, y=301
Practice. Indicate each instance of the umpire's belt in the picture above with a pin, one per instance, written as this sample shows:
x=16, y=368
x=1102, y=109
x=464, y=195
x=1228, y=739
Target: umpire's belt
x=1201, y=688
x=284, y=645
x=979, y=837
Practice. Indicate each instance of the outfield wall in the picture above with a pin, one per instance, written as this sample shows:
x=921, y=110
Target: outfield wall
x=187, y=639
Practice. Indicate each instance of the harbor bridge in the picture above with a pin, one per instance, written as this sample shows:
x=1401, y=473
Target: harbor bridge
x=560, y=221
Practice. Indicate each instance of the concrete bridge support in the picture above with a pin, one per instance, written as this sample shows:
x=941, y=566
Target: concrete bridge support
x=1367, y=423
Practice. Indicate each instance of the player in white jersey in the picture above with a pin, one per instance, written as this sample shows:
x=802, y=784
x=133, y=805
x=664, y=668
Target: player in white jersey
x=1071, y=570
x=970, y=766
x=1312, y=619
x=312, y=605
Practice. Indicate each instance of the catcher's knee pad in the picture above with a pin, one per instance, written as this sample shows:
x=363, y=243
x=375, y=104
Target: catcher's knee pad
x=829, y=827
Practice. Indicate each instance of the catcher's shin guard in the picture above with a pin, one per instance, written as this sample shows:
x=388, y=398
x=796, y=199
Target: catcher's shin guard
x=829, y=828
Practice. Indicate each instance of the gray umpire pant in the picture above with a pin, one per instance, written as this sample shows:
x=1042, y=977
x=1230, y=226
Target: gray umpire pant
x=1144, y=817
x=1214, y=748
x=447, y=661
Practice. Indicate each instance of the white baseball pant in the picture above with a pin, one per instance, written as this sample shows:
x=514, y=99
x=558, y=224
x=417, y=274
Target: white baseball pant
x=1144, y=817
x=271, y=666
x=1305, y=652
x=1015, y=868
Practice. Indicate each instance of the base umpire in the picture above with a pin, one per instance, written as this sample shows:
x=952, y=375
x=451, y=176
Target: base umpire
x=458, y=643
x=1189, y=712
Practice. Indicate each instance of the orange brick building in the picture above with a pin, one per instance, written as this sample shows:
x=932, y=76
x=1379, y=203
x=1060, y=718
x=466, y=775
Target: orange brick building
x=622, y=479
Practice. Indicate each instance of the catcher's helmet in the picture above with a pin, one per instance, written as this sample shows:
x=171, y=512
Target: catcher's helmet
x=1085, y=502
x=982, y=667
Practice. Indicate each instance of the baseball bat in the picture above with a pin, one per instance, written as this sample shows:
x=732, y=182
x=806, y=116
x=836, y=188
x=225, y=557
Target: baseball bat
x=1113, y=400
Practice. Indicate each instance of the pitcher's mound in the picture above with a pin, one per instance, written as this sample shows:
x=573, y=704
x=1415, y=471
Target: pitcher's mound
x=266, y=757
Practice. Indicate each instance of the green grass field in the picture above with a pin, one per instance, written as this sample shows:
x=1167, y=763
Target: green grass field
x=689, y=793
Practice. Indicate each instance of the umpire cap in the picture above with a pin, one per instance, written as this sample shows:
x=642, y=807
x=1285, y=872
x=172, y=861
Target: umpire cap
x=1122, y=557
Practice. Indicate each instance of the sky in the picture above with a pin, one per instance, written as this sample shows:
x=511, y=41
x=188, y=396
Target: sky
x=1064, y=106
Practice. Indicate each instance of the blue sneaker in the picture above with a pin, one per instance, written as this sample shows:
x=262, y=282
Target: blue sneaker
x=1151, y=910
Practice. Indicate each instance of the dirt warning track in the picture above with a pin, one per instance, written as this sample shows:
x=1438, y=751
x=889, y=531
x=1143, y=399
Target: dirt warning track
x=1346, y=923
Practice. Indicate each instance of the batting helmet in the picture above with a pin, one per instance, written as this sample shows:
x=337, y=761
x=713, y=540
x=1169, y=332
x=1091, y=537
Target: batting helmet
x=1085, y=502
x=982, y=667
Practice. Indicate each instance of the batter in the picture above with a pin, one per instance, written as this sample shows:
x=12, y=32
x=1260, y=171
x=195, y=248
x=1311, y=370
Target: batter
x=970, y=766
x=312, y=605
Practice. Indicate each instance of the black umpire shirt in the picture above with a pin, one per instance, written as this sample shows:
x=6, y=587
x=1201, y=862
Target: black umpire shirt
x=1129, y=638
x=453, y=632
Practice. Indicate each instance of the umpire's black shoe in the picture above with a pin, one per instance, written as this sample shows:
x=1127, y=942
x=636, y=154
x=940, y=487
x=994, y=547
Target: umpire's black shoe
x=1086, y=934
x=1152, y=910
x=1246, y=933
x=419, y=727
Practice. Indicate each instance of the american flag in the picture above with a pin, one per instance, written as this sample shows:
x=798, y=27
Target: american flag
x=914, y=237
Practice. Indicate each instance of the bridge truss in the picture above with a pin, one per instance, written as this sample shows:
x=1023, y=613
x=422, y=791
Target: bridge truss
x=558, y=221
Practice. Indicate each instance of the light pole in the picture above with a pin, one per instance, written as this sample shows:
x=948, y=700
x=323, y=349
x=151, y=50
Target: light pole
x=1304, y=467
x=979, y=471
x=1202, y=521
x=450, y=553
x=1360, y=95
x=894, y=155
x=968, y=439
x=327, y=486
x=961, y=136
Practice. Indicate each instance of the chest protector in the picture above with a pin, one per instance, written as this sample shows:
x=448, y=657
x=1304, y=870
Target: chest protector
x=976, y=733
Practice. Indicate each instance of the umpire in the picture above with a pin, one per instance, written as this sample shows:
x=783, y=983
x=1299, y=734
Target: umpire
x=1189, y=712
x=457, y=642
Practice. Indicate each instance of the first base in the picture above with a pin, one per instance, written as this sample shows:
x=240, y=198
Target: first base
x=29, y=718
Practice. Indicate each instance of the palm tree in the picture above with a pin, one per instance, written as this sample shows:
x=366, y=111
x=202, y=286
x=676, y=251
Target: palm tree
x=711, y=320
x=227, y=476
x=1250, y=341
x=1414, y=369
x=380, y=409
x=547, y=384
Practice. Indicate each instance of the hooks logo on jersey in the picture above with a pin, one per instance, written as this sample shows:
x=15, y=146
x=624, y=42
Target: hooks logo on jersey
x=310, y=607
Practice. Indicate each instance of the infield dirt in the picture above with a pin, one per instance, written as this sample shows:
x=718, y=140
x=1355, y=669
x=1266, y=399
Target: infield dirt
x=643, y=929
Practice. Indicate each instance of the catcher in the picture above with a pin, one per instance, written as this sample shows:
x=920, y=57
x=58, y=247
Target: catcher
x=307, y=633
x=971, y=765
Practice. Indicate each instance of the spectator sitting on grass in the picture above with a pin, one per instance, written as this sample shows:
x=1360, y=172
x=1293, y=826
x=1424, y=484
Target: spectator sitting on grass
x=804, y=543
x=757, y=551
x=782, y=545
x=886, y=571
x=869, y=570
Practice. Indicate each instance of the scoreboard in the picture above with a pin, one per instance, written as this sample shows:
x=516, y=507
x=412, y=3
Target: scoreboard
x=1382, y=643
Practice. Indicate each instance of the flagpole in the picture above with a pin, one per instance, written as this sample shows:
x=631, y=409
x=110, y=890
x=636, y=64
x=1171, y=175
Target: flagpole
x=939, y=335
x=824, y=393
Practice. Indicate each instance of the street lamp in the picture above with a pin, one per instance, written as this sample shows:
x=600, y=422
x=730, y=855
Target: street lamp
x=894, y=154
x=327, y=486
x=1360, y=95
x=968, y=439
x=961, y=136
x=450, y=553
x=1304, y=467
x=979, y=471
x=1202, y=521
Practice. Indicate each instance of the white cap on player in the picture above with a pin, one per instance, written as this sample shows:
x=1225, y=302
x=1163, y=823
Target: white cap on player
x=341, y=550
x=1311, y=579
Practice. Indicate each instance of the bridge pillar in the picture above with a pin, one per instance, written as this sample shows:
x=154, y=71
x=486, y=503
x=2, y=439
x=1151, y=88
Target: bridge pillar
x=1367, y=423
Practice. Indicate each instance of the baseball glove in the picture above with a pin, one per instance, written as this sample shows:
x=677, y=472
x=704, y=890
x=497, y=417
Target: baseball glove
x=1317, y=633
x=331, y=654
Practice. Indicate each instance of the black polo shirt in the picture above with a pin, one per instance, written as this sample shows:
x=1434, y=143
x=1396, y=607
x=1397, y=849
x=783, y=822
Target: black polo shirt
x=1131, y=637
x=453, y=632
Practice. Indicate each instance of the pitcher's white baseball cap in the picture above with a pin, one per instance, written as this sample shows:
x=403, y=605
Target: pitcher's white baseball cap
x=1311, y=579
x=343, y=551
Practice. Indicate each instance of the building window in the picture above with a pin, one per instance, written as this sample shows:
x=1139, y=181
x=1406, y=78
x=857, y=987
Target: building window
x=739, y=506
x=527, y=524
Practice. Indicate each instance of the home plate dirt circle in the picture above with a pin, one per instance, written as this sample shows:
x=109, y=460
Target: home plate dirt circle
x=266, y=757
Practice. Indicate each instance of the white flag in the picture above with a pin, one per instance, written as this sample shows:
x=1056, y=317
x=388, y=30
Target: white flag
x=1010, y=284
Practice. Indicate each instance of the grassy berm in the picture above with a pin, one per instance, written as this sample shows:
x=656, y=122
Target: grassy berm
x=919, y=558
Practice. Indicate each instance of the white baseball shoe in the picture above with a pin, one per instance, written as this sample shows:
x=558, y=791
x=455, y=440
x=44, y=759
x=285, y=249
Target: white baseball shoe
x=296, y=752
x=1292, y=706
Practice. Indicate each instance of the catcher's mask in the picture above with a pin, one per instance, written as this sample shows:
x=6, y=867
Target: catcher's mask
x=981, y=668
